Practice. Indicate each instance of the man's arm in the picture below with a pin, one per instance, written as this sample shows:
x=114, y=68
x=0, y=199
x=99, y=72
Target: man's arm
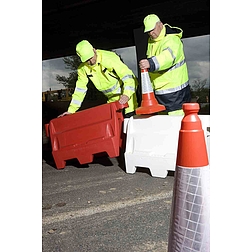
x=79, y=93
x=126, y=75
x=166, y=59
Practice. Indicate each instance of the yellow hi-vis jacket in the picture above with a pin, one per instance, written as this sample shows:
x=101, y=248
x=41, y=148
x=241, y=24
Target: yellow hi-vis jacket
x=168, y=69
x=110, y=76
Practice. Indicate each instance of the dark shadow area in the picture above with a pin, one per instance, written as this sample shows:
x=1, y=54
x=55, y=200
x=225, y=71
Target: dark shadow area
x=147, y=171
x=143, y=170
x=47, y=154
x=99, y=158
x=171, y=173
x=75, y=163
x=121, y=160
x=102, y=159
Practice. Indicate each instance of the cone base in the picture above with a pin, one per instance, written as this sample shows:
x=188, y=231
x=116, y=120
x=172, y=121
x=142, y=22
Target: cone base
x=150, y=109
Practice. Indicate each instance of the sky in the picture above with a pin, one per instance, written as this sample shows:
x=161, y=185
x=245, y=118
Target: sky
x=197, y=53
x=129, y=57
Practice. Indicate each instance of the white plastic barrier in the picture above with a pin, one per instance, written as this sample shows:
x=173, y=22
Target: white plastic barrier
x=152, y=142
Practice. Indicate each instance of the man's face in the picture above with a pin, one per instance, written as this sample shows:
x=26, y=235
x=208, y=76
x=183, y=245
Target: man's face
x=92, y=61
x=156, y=31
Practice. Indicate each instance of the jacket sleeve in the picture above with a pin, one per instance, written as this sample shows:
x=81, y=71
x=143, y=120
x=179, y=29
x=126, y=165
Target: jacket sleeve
x=168, y=56
x=79, y=92
x=126, y=75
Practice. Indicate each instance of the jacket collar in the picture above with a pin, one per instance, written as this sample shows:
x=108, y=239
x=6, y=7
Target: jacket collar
x=168, y=30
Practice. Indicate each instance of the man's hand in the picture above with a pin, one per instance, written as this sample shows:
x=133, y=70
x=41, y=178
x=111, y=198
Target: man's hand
x=144, y=64
x=123, y=99
x=65, y=113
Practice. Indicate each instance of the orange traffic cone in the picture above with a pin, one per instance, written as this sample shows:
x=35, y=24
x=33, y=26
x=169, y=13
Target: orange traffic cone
x=149, y=103
x=190, y=215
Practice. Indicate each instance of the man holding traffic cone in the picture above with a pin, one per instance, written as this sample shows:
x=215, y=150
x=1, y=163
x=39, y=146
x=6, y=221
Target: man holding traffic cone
x=166, y=65
x=190, y=215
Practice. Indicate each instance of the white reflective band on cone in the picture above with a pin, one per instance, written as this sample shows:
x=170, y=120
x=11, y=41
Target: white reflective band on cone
x=146, y=84
x=190, y=216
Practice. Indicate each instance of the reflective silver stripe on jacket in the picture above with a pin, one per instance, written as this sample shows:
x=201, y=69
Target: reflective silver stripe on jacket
x=76, y=102
x=127, y=77
x=155, y=63
x=129, y=88
x=170, y=69
x=173, y=67
x=171, y=52
x=118, y=91
x=81, y=90
x=110, y=89
x=171, y=90
x=177, y=65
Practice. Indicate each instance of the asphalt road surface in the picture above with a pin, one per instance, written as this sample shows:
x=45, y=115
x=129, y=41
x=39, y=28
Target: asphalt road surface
x=99, y=207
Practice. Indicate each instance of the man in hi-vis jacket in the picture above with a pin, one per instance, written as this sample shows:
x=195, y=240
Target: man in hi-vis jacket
x=166, y=65
x=109, y=75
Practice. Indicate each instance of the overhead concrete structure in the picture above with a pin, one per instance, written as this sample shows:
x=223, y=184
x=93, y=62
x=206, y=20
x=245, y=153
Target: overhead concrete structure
x=109, y=24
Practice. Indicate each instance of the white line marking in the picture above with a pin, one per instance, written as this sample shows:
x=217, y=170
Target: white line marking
x=104, y=208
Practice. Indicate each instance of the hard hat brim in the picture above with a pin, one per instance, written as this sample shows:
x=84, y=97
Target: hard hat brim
x=148, y=29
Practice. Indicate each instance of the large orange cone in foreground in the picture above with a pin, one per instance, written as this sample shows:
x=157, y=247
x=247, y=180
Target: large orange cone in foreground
x=149, y=103
x=190, y=215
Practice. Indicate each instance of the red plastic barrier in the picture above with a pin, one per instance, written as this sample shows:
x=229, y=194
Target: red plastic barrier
x=85, y=133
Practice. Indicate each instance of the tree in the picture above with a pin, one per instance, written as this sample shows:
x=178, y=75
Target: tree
x=200, y=91
x=71, y=63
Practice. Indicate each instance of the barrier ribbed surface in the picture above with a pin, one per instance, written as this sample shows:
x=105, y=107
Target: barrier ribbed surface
x=85, y=133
